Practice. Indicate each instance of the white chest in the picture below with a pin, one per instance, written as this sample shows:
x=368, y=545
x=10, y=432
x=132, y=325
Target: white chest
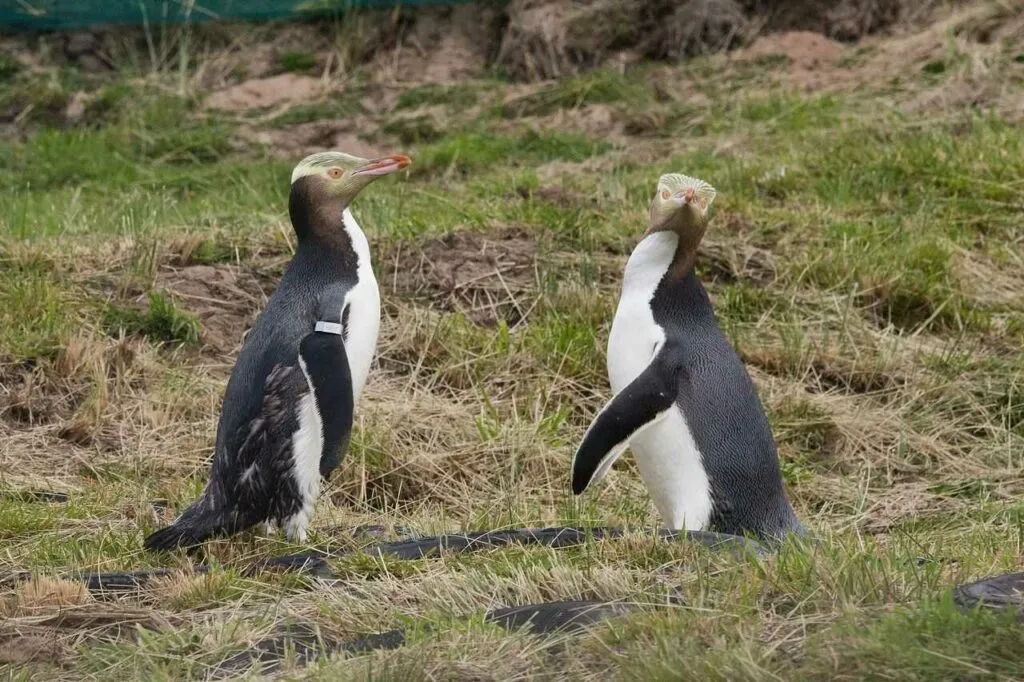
x=635, y=334
x=669, y=461
x=363, y=303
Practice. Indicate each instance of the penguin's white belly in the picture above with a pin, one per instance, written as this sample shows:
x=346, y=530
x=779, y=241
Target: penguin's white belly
x=669, y=461
x=671, y=468
x=363, y=302
x=307, y=447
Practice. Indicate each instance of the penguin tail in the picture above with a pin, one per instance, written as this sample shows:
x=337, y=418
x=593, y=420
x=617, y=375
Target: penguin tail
x=196, y=525
x=173, y=537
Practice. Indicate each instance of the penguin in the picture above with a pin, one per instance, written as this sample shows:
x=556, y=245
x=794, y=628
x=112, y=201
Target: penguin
x=287, y=412
x=683, y=401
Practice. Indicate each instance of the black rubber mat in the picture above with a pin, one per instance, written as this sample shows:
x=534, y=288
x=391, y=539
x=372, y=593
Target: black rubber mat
x=998, y=592
x=314, y=562
x=559, y=616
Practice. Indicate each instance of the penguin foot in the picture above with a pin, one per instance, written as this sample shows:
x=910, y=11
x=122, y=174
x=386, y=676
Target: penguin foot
x=295, y=528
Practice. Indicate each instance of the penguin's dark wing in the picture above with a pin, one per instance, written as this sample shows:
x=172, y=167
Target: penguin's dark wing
x=325, y=362
x=638, y=406
x=249, y=485
x=264, y=459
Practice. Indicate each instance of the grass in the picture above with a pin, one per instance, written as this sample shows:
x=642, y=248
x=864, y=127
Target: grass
x=864, y=260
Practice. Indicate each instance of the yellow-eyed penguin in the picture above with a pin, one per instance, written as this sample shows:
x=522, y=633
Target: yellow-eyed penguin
x=287, y=411
x=683, y=401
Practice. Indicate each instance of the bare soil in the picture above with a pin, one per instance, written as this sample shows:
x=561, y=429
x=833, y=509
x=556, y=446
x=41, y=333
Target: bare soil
x=485, y=276
x=262, y=93
x=224, y=298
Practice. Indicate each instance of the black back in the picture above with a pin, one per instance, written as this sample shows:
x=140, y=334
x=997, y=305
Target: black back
x=723, y=412
x=290, y=314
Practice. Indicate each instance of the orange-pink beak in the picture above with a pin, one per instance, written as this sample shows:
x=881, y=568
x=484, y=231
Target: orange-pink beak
x=687, y=196
x=383, y=166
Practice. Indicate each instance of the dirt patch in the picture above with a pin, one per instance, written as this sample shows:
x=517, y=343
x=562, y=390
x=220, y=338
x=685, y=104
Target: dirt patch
x=802, y=49
x=487, y=277
x=440, y=45
x=534, y=44
x=23, y=649
x=296, y=142
x=262, y=93
x=547, y=39
x=223, y=298
x=599, y=121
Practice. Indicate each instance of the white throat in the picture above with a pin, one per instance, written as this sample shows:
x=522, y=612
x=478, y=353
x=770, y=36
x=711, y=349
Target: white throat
x=648, y=264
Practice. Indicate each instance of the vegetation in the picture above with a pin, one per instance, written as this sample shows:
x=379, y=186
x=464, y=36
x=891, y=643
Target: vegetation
x=864, y=258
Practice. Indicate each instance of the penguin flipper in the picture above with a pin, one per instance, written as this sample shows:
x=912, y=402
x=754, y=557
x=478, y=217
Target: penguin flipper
x=326, y=365
x=640, y=405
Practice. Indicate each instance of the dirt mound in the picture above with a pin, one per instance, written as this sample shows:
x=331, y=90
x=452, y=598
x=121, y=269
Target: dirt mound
x=526, y=40
x=802, y=49
x=441, y=45
x=223, y=298
x=260, y=93
x=552, y=38
x=297, y=141
x=484, y=276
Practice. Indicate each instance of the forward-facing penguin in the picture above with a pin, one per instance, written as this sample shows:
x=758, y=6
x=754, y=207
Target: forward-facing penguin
x=287, y=411
x=683, y=400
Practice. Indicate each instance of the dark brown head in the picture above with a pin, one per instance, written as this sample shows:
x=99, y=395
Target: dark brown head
x=681, y=205
x=324, y=184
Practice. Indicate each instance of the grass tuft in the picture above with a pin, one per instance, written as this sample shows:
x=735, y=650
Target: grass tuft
x=162, y=321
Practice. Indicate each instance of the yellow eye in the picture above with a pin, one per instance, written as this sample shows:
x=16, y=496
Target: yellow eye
x=664, y=195
x=334, y=173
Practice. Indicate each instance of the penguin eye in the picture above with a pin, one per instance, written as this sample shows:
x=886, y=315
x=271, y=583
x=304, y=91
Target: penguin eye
x=334, y=173
x=664, y=195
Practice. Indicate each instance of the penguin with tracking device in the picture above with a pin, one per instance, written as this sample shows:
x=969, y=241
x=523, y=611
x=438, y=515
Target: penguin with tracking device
x=683, y=401
x=287, y=411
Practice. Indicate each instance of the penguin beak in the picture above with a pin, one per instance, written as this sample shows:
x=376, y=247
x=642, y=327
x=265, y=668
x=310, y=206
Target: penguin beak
x=685, y=197
x=383, y=166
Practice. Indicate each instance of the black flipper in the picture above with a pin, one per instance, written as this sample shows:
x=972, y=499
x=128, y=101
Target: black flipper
x=326, y=366
x=233, y=501
x=640, y=405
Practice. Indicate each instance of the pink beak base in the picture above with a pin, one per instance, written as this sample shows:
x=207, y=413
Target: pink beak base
x=384, y=165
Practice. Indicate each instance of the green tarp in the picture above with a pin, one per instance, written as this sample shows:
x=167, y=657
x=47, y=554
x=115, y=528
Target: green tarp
x=80, y=14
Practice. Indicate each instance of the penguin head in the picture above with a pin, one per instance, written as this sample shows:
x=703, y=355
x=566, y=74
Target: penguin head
x=681, y=204
x=337, y=176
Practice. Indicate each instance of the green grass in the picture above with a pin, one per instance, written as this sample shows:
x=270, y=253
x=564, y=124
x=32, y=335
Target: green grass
x=452, y=96
x=864, y=261
x=297, y=61
x=161, y=322
x=595, y=87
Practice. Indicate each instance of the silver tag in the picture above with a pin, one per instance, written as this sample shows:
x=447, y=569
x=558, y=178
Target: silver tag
x=328, y=327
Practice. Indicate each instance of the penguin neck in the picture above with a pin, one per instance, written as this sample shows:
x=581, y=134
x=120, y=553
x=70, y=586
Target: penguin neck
x=319, y=219
x=660, y=256
x=329, y=238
